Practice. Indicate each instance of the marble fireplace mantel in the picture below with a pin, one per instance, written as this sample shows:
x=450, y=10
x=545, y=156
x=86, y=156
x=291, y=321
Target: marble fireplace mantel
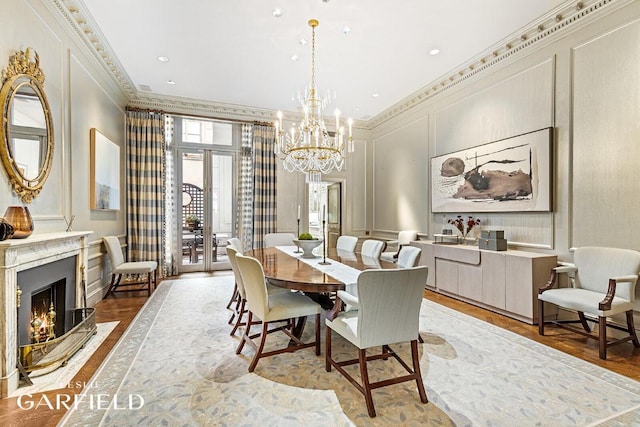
x=19, y=255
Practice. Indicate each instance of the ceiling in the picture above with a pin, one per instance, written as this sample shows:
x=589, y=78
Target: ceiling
x=237, y=52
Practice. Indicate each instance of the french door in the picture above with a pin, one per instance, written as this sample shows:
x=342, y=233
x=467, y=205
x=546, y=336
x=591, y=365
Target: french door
x=206, y=216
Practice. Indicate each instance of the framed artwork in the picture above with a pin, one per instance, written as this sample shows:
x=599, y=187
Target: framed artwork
x=510, y=175
x=105, y=172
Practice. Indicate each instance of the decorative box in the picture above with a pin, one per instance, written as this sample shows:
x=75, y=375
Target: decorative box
x=492, y=244
x=492, y=234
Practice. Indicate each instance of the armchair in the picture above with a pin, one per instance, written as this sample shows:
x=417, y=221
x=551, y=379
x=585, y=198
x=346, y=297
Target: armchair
x=393, y=246
x=602, y=284
x=388, y=310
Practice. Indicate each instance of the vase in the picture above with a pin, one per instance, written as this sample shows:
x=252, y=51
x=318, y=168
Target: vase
x=20, y=218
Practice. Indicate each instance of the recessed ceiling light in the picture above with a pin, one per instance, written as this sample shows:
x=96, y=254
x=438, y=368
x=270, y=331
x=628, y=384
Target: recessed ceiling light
x=294, y=57
x=163, y=59
x=346, y=30
x=170, y=82
x=375, y=94
x=303, y=42
x=277, y=12
x=434, y=51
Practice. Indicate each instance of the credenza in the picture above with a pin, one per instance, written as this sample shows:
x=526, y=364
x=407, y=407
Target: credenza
x=506, y=282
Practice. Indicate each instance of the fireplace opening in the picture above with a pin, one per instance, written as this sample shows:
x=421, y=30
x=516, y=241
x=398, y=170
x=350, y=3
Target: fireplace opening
x=51, y=328
x=48, y=312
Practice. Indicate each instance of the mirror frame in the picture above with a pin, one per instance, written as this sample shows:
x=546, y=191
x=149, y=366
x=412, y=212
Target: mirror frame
x=22, y=69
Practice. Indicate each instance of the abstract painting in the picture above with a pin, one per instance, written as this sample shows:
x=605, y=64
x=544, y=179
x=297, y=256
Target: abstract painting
x=510, y=175
x=105, y=172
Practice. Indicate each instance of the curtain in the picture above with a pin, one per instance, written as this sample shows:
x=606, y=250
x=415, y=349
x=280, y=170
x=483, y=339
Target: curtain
x=244, y=203
x=264, y=183
x=146, y=187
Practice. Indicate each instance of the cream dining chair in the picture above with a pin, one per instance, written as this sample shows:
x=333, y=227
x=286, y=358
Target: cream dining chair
x=347, y=243
x=121, y=268
x=271, y=308
x=278, y=239
x=409, y=256
x=241, y=307
x=388, y=312
x=236, y=244
x=372, y=248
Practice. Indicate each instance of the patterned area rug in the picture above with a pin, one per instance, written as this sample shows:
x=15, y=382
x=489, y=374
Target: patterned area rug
x=176, y=365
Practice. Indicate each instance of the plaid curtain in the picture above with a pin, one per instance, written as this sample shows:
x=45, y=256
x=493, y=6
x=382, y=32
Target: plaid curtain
x=264, y=183
x=244, y=217
x=146, y=187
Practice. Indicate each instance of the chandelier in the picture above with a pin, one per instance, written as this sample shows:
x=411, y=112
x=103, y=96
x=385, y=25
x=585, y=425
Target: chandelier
x=308, y=147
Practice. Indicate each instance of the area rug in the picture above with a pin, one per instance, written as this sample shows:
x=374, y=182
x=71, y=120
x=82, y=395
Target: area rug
x=60, y=377
x=176, y=366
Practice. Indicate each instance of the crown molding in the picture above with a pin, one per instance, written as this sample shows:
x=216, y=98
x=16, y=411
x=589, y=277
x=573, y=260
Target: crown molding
x=562, y=19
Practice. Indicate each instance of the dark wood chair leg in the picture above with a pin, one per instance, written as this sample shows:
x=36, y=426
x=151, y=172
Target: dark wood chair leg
x=115, y=281
x=263, y=339
x=583, y=321
x=602, y=337
x=632, y=329
x=364, y=373
x=327, y=349
x=318, y=334
x=240, y=316
x=245, y=335
x=149, y=284
x=540, y=317
x=416, y=371
x=234, y=296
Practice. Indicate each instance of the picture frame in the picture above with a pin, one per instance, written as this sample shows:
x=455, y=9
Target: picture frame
x=105, y=172
x=509, y=175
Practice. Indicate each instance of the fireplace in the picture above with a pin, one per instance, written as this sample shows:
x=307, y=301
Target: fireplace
x=60, y=257
x=48, y=310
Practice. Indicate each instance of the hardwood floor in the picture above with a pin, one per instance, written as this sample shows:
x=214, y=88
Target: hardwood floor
x=623, y=359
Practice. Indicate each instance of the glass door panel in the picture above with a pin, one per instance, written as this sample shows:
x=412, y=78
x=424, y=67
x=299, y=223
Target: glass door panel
x=207, y=213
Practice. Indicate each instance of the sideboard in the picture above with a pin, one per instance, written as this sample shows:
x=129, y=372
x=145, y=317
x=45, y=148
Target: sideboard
x=506, y=282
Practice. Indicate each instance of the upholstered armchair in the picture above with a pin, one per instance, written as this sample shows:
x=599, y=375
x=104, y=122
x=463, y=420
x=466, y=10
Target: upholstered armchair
x=388, y=312
x=392, y=250
x=602, y=284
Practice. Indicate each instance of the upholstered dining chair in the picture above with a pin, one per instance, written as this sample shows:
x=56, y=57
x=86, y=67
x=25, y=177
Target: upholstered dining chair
x=347, y=243
x=602, y=284
x=409, y=256
x=392, y=251
x=121, y=268
x=388, y=312
x=372, y=248
x=271, y=308
x=241, y=307
x=236, y=244
x=278, y=239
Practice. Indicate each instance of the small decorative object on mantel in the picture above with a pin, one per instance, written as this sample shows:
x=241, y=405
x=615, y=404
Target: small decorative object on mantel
x=6, y=229
x=464, y=226
x=20, y=218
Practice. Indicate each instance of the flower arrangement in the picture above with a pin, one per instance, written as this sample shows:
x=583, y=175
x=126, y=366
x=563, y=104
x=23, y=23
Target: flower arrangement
x=464, y=226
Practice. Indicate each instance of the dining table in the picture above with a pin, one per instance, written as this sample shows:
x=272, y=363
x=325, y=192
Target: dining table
x=285, y=268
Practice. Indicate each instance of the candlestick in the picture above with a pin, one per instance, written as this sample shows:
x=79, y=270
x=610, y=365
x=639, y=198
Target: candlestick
x=298, y=212
x=324, y=245
x=297, y=251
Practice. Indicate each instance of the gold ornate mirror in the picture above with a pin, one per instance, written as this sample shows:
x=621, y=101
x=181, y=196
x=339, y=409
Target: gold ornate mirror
x=27, y=128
